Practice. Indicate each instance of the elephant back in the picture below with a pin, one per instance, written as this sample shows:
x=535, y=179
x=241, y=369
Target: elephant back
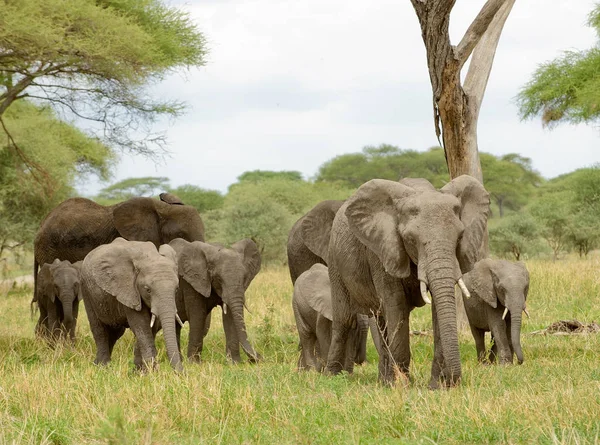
x=72, y=229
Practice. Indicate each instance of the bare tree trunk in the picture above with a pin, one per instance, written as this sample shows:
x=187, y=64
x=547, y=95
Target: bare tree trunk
x=456, y=107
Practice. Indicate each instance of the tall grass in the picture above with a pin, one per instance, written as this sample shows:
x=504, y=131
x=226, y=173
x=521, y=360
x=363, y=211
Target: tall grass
x=58, y=396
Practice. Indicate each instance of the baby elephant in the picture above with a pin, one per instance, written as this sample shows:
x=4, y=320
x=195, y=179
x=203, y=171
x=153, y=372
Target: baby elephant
x=212, y=275
x=313, y=312
x=497, y=288
x=128, y=284
x=58, y=295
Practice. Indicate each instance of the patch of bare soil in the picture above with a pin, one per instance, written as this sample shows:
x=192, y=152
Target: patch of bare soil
x=568, y=327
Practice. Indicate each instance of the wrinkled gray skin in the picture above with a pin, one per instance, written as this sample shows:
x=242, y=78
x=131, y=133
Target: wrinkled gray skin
x=495, y=285
x=385, y=239
x=308, y=244
x=58, y=296
x=211, y=275
x=308, y=240
x=123, y=284
x=78, y=225
x=311, y=303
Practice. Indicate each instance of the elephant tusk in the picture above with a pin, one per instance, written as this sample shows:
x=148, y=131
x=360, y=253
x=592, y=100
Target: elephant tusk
x=526, y=312
x=178, y=319
x=505, y=312
x=225, y=308
x=463, y=288
x=152, y=320
x=424, y=293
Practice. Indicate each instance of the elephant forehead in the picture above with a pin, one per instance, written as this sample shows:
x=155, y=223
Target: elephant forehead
x=430, y=203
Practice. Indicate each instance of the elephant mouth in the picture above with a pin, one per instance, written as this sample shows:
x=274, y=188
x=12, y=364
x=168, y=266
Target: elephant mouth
x=425, y=290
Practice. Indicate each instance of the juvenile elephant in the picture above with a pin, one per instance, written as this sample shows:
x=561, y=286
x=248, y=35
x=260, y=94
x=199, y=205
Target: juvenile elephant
x=78, y=225
x=497, y=287
x=308, y=240
x=390, y=242
x=311, y=303
x=212, y=275
x=58, y=296
x=127, y=284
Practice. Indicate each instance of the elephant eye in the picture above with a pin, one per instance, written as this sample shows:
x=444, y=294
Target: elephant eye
x=147, y=288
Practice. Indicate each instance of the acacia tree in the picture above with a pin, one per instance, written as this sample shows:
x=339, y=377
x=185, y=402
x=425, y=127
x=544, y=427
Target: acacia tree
x=95, y=60
x=456, y=106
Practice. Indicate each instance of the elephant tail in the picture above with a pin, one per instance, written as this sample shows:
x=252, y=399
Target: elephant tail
x=35, y=297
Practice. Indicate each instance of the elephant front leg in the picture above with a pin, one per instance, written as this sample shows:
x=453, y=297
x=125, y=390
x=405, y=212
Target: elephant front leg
x=197, y=313
x=503, y=348
x=479, y=337
x=145, y=349
x=318, y=353
x=53, y=323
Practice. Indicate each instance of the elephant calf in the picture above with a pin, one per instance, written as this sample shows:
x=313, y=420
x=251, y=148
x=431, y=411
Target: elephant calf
x=313, y=313
x=58, y=295
x=212, y=275
x=128, y=284
x=497, y=288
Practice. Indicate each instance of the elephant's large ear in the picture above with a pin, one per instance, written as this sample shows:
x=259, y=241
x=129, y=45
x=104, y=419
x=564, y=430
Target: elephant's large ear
x=318, y=291
x=316, y=227
x=484, y=282
x=252, y=260
x=137, y=220
x=46, y=282
x=372, y=214
x=112, y=267
x=475, y=208
x=193, y=266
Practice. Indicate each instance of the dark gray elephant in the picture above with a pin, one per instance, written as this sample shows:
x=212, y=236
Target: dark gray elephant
x=212, y=275
x=308, y=240
x=497, y=288
x=390, y=242
x=58, y=296
x=78, y=225
x=127, y=284
x=311, y=303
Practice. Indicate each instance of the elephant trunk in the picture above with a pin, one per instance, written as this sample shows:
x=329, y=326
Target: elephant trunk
x=235, y=301
x=67, y=306
x=441, y=271
x=515, y=334
x=167, y=320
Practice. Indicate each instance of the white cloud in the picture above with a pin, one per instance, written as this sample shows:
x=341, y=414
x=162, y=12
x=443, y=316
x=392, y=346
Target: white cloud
x=291, y=84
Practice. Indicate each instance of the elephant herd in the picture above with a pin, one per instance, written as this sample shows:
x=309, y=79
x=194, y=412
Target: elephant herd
x=358, y=265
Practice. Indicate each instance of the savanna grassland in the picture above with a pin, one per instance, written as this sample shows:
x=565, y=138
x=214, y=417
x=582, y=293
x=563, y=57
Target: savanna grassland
x=59, y=396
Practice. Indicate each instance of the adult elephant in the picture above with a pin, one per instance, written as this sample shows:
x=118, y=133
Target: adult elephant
x=308, y=239
x=78, y=225
x=390, y=242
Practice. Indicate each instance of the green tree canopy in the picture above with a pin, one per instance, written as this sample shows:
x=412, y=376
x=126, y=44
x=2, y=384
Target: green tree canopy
x=202, y=199
x=566, y=89
x=385, y=162
x=27, y=194
x=262, y=175
x=95, y=60
x=131, y=187
x=510, y=179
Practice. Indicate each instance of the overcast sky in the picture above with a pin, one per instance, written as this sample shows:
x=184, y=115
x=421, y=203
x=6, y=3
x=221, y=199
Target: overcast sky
x=289, y=84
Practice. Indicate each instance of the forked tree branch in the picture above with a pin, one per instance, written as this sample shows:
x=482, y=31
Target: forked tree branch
x=482, y=60
x=477, y=29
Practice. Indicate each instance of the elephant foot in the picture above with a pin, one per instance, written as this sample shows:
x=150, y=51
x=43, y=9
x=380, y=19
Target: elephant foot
x=101, y=361
x=333, y=368
x=147, y=366
x=195, y=358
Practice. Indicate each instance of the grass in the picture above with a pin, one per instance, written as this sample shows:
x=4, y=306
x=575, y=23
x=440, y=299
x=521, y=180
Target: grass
x=57, y=396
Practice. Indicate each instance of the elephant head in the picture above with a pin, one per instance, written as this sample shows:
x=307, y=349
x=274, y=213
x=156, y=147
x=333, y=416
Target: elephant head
x=147, y=219
x=227, y=272
x=505, y=283
x=141, y=277
x=60, y=281
x=439, y=231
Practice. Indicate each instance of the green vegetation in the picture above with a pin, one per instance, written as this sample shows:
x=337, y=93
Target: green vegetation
x=566, y=89
x=58, y=396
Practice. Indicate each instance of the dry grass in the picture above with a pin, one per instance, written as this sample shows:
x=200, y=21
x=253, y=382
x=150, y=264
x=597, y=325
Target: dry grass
x=58, y=396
